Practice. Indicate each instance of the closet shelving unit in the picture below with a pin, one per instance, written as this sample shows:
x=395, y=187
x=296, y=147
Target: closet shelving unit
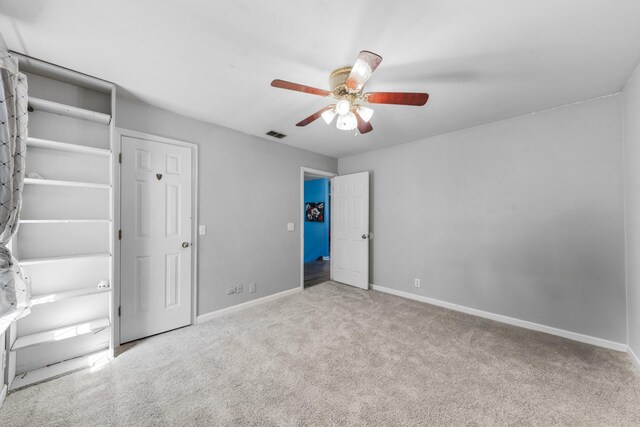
x=65, y=241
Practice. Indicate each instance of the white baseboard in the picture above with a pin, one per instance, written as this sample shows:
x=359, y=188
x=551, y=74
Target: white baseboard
x=3, y=394
x=509, y=320
x=214, y=314
x=634, y=358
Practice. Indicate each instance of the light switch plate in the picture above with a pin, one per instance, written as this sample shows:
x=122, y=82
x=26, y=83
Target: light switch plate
x=202, y=230
x=291, y=226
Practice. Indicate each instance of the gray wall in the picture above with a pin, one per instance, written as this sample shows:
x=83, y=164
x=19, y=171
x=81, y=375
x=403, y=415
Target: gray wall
x=3, y=355
x=631, y=96
x=249, y=189
x=522, y=217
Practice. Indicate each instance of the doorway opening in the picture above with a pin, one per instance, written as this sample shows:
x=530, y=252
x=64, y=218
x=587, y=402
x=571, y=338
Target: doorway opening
x=315, y=227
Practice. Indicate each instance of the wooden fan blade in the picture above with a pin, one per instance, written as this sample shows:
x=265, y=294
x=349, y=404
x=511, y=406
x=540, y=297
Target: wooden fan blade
x=363, y=127
x=365, y=65
x=401, y=98
x=315, y=116
x=282, y=84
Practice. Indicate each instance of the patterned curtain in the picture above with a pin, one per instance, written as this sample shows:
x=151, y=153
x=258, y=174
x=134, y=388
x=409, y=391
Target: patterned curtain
x=15, y=288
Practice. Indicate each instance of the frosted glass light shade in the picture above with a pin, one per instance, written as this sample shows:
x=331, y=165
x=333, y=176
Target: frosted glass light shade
x=365, y=113
x=347, y=121
x=328, y=115
x=343, y=107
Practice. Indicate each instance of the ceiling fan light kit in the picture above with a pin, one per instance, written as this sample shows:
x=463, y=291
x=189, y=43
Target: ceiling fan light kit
x=347, y=121
x=365, y=113
x=343, y=107
x=346, y=85
x=328, y=115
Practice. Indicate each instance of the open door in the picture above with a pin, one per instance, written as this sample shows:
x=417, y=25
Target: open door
x=350, y=229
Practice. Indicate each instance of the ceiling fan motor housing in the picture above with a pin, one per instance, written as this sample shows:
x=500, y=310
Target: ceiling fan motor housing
x=337, y=80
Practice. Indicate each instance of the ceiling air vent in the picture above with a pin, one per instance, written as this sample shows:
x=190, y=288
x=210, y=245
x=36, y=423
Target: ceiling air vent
x=275, y=134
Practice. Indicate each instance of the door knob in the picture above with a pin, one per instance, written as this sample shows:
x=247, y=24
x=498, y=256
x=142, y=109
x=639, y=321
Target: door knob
x=185, y=244
x=364, y=236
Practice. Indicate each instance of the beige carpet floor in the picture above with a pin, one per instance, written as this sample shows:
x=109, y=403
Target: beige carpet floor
x=335, y=355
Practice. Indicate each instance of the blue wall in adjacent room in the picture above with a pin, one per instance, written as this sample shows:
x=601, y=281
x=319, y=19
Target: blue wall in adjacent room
x=316, y=234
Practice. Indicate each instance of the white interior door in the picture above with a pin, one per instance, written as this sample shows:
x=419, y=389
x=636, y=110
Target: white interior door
x=156, y=238
x=350, y=229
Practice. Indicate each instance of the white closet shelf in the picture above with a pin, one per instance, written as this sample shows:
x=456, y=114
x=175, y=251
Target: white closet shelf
x=68, y=110
x=94, y=359
x=64, y=146
x=59, y=296
x=36, y=181
x=62, y=258
x=60, y=334
x=51, y=71
x=64, y=221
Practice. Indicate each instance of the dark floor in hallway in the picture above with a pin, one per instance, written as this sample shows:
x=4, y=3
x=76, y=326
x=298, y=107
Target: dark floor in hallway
x=316, y=272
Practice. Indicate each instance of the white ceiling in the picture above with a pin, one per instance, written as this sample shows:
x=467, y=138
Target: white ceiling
x=480, y=61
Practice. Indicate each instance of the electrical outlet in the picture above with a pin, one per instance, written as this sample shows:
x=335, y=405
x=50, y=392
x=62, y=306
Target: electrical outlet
x=239, y=288
x=252, y=287
x=231, y=291
x=416, y=283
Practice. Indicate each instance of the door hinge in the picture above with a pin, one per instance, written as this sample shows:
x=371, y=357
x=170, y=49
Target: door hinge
x=120, y=311
x=119, y=157
x=119, y=234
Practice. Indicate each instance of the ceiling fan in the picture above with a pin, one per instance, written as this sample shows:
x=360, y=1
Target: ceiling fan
x=346, y=87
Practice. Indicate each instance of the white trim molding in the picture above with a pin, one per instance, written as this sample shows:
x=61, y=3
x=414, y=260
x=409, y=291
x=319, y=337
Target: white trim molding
x=634, y=358
x=3, y=394
x=243, y=306
x=508, y=320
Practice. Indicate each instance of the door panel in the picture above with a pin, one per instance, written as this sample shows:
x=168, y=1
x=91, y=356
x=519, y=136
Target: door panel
x=156, y=220
x=173, y=210
x=172, y=280
x=350, y=222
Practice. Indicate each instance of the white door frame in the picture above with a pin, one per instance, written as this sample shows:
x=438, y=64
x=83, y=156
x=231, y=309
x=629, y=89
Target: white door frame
x=321, y=174
x=119, y=134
